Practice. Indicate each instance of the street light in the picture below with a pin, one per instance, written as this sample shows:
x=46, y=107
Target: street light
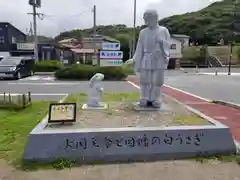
x=134, y=27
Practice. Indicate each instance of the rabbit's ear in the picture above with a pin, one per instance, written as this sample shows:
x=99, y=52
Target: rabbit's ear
x=92, y=80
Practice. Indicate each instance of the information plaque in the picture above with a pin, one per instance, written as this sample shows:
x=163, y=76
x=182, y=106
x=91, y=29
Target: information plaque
x=62, y=112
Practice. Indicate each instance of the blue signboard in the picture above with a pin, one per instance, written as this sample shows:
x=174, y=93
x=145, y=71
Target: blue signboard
x=110, y=46
x=111, y=54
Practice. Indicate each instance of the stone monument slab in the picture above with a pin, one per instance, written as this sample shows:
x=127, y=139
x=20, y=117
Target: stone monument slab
x=124, y=144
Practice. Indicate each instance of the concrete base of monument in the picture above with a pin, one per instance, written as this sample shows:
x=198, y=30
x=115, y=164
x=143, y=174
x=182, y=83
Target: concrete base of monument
x=120, y=133
x=102, y=106
x=124, y=144
x=164, y=107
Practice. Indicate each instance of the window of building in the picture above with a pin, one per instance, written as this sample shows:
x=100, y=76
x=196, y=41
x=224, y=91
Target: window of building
x=13, y=40
x=173, y=46
x=2, y=40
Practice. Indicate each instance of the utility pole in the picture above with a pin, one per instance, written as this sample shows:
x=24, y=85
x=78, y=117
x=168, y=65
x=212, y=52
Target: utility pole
x=35, y=4
x=35, y=32
x=96, y=50
x=232, y=38
x=130, y=49
x=94, y=20
x=134, y=27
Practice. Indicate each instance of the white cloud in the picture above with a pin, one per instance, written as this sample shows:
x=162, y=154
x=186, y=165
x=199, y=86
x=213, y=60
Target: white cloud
x=64, y=15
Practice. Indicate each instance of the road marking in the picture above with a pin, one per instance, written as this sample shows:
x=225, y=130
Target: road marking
x=37, y=84
x=36, y=78
x=196, y=96
x=33, y=94
x=176, y=90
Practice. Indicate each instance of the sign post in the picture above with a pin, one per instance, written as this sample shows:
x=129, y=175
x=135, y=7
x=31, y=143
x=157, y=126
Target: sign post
x=110, y=55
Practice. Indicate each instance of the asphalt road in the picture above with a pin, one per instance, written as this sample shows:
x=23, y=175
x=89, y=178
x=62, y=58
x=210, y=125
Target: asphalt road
x=46, y=88
x=225, y=88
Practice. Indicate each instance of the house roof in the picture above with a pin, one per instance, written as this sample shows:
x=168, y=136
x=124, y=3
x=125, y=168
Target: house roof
x=78, y=50
x=101, y=37
x=110, y=39
x=180, y=36
x=69, y=40
x=9, y=24
x=179, y=40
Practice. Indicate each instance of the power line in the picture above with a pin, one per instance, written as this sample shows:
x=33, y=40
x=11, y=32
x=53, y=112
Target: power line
x=67, y=16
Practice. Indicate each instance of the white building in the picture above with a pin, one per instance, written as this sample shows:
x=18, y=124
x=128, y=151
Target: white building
x=175, y=48
x=183, y=38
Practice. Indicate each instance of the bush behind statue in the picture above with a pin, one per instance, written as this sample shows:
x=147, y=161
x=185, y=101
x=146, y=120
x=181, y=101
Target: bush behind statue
x=83, y=72
x=47, y=66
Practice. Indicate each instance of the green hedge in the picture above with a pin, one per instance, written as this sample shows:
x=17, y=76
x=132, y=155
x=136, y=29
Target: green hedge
x=47, y=66
x=128, y=68
x=84, y=72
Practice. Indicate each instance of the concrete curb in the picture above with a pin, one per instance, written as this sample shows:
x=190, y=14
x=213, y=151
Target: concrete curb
x=44, y=73
x=226, y=103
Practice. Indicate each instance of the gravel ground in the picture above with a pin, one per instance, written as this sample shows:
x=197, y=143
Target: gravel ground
x=123, y=114
x=167, y=170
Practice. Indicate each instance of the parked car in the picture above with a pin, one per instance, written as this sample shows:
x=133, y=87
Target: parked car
x=16, y=67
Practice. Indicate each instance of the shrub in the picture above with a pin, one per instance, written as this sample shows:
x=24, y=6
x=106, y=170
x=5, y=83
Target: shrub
x=85, y=72
x=128, y=68
x=47, y=66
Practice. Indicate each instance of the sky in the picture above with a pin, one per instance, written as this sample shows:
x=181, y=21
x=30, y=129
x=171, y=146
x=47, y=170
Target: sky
x=62, y=15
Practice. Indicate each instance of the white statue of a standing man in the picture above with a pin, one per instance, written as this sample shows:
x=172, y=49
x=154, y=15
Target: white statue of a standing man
x=151, y=58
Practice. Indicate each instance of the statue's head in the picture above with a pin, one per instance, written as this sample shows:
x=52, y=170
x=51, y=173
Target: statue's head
x=151, y=18
x=96, y=78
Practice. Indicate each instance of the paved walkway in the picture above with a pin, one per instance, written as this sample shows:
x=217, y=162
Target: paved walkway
x=224, y=114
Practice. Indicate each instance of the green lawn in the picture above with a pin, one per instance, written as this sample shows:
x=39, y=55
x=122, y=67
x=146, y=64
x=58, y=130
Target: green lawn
x=15, y=126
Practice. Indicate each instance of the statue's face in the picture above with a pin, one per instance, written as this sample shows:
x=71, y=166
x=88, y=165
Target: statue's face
x=151, y=18
x=99, y=77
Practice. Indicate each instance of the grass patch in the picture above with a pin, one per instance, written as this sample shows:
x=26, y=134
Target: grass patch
x=15, y=126
x=81, y=98
x=191, y=120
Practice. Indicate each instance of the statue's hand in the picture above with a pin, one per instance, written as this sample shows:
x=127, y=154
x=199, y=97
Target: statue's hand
x=135, y=68
x=166, y=66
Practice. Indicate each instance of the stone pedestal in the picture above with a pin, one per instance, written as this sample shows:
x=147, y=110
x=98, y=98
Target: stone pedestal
x=102, y=106
x=163, y=108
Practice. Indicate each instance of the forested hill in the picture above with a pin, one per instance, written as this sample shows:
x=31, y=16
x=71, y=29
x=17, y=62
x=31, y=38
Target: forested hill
x=207, y=25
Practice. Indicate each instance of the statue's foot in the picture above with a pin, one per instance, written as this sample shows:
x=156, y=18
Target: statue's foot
x=95, y=105
x=156, y=104
x=143, y=103
x=149, y=104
